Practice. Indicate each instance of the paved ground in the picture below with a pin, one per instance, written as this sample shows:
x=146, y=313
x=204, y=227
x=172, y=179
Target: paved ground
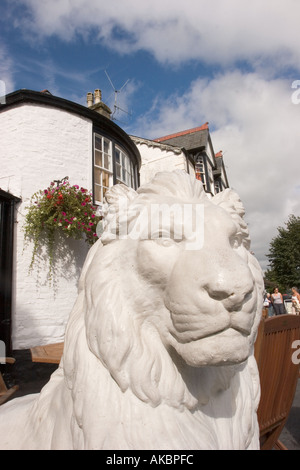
x=32, y=377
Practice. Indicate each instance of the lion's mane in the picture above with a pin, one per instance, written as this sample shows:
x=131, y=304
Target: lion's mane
x=119, y=385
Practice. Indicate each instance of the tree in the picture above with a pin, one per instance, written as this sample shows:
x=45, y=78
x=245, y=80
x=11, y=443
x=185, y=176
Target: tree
x=284, y=255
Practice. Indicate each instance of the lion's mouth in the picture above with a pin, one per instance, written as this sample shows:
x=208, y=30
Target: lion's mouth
x=228, y=346
x=237, y=323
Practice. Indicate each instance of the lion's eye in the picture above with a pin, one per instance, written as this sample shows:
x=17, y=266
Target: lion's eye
x=164, y=241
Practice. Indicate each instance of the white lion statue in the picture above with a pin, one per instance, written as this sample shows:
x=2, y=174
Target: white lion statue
x=159, y=346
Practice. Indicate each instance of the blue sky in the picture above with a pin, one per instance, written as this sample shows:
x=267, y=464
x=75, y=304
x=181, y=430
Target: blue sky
x=231, y=63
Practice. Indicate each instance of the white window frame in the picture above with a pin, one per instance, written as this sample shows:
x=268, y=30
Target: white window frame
x=124, y=167
x=201, y=166
x=102, y=168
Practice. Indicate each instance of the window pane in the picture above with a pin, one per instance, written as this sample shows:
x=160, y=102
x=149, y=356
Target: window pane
x=98, y=143
x=106, y=162
x=97, y=190
x=97, y=175
x=98, y=158
x=104, y=191
x=105, y=178
x=106, y=146
x=118, y=155
x=118, y=169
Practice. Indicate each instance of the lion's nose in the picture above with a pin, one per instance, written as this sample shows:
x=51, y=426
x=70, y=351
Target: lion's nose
x=233, y=298
x=232, y=283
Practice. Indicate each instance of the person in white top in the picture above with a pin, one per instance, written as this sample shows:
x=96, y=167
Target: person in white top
x=295, y=301
x=277, y=301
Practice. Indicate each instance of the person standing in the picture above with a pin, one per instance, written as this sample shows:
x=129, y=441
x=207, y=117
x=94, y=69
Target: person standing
x=295, y=301
x=270, y=305
x=277, y=301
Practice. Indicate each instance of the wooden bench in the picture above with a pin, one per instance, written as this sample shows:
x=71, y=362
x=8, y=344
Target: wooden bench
x=278, y=375
x=6, y=393
x=49, y=353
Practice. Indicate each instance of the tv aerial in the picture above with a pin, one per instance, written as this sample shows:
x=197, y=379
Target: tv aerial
x=116, y=92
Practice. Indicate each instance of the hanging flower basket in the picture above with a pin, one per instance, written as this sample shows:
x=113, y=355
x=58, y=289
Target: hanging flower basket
x=61, y=208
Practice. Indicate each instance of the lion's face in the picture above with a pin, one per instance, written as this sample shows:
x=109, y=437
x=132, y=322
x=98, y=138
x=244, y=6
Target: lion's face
x=209, y=294
x=206, y=300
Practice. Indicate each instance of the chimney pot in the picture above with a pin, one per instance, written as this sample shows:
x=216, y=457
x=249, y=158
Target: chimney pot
x=90, y=99
x=97, y=95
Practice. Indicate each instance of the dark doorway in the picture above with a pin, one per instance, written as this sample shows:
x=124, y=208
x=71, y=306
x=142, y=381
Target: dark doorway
x=7, y=215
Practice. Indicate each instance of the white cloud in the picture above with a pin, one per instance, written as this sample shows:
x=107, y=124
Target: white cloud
x=255, y=123
x=252, y=117
x=6, y=71
x=177, y=30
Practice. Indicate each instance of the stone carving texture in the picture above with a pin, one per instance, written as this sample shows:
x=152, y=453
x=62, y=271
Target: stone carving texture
x=159, y=345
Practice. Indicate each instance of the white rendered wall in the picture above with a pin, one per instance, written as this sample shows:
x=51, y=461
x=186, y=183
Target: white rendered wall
x=155, y=159
x=39, y=144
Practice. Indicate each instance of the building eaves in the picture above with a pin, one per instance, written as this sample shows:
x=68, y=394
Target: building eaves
x=156, y=144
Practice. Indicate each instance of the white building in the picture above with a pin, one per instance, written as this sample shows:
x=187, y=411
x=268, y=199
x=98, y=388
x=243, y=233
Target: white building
x=198, y=148
x=45, y=138
x=158, y=156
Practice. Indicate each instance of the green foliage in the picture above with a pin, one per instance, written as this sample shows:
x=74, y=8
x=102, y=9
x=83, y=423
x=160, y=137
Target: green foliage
x=60, y=208
x=284, y=255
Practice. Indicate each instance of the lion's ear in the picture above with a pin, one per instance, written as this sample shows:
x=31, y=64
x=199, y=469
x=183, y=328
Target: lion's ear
x=118, y=193
x=114, y=210
x=230, y=201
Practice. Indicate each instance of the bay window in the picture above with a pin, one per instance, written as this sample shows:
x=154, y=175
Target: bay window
x=112, y=165
x=103, y=167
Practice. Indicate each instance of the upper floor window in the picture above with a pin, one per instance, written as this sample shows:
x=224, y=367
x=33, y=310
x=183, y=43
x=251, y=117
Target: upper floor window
x=112, y=165
x=200, y=170
x=124, y=170
x=103, y=167
x=217, y=187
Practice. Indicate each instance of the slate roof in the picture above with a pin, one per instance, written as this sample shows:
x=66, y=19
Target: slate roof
x=190, y=139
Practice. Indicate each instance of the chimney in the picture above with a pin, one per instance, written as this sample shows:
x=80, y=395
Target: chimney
x=97, y=96
x=94, y=103
x=90, y=99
